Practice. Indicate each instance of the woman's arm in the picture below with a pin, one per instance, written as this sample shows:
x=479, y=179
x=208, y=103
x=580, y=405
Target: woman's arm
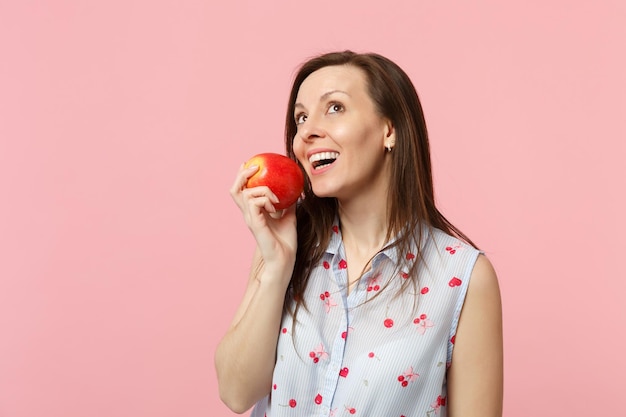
x=475, y=378
x=245, y=357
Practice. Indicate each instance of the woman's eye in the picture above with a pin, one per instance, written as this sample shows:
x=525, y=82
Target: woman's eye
x=335, y=108
x=300, y=118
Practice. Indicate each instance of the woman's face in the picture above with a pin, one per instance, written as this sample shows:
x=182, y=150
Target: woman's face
x=340, y=136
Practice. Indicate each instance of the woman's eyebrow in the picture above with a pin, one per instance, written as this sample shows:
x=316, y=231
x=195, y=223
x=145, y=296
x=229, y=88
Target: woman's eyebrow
x=323, y=97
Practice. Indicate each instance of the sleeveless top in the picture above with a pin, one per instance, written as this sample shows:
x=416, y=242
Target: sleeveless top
x=376, y=351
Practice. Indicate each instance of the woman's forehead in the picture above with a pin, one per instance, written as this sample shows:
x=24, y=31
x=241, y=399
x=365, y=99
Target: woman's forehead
x=343, y=78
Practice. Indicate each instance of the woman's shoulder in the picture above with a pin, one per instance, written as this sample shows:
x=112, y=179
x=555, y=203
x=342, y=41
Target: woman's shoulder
x=446, y=243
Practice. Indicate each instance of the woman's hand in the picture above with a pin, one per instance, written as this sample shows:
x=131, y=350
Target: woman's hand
x=274, y=231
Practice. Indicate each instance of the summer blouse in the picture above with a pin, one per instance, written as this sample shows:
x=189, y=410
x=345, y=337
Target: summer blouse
x=386, y=357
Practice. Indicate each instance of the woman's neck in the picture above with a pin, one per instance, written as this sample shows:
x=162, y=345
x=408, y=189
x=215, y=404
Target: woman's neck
x=363, y=231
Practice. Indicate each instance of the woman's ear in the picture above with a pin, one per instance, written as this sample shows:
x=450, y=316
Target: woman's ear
x=390, y=136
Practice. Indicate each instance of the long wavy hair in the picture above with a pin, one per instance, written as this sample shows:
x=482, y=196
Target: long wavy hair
x=411, y=203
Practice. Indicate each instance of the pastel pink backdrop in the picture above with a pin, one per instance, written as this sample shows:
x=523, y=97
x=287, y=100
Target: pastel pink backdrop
x=122, y=124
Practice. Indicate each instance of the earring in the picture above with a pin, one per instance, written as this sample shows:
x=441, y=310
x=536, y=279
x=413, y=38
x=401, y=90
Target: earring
x=388, y=146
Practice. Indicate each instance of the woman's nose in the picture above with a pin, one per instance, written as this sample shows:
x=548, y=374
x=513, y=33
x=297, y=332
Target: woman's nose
x=311, y=130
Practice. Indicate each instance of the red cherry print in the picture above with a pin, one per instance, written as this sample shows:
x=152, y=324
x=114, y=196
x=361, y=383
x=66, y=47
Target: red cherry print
x=292, y=403
x=455, y=282
x=453, y=339
x=322, y=297
x=327, y=294
x=371, y=354
x=326, y=265
x=351, y=410
x=344, y=372
x=336, y=229
x=284, y=330
x=410, y=256
x=345, y=333
x=370, y=289
x=452, y=250
x=416, y=320
x=343, y=264
x=275, y=386
x=318, y=399
x=376, y=287
x=425, y=290
x=318, y=353
x=407, y=376
x=404, y=275
x=388, y=323
x=423, y=316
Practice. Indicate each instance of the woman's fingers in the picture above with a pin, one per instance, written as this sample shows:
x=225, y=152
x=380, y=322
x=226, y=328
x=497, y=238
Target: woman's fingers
x=240, y=193
x=240, y=182
x=277, y=214
x=258, y=198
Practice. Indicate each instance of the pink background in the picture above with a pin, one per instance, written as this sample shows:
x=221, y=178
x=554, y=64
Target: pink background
x=122, y=124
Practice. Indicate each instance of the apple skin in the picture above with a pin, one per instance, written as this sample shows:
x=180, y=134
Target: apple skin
x=281, y=174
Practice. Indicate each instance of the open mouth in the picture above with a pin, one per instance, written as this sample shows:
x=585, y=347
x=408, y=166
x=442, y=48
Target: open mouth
x=323, y=159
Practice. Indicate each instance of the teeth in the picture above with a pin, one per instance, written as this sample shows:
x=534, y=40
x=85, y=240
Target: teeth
x=323, y=156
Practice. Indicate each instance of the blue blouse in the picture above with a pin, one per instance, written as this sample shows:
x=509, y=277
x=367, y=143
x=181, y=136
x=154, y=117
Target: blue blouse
x=376, y=351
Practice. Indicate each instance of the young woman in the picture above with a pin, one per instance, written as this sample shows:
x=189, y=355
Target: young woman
x=363, y=300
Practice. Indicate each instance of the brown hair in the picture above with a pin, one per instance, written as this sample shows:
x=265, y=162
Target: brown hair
x=411, y=201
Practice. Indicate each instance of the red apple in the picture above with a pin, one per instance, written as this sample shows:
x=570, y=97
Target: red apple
x=281, y=174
